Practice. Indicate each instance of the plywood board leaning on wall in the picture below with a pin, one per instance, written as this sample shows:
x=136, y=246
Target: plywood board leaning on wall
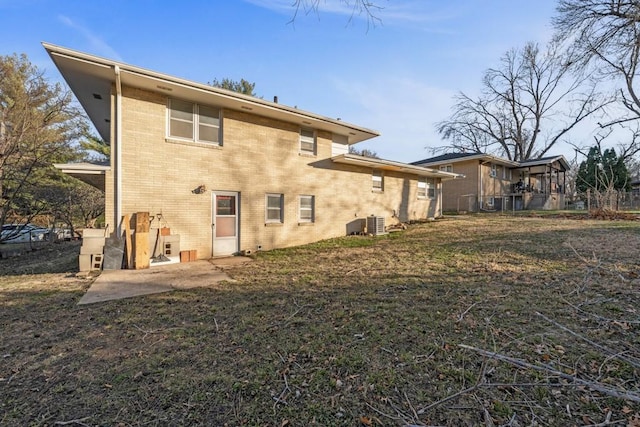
x=141, y=241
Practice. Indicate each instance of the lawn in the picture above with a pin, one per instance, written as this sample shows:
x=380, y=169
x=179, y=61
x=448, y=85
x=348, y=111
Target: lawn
x=472, y=320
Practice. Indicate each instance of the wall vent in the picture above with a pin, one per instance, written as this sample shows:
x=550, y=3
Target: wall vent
x=375, y=225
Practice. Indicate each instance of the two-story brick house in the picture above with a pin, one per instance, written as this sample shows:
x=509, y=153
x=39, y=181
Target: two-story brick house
x=495, y=183
x=230, y=172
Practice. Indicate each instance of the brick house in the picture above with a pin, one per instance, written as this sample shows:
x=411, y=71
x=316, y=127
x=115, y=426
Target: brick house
x=229, y=172
x=494, y=183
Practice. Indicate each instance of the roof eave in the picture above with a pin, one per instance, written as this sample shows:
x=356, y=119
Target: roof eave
x=90, y=75
x=92, y=174
x=389, y=165
x=485, y=157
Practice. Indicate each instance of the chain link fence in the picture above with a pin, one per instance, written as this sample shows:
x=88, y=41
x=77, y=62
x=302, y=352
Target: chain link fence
x=612, y=200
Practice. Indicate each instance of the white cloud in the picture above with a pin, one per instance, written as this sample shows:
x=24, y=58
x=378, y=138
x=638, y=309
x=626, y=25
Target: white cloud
x=98, y=46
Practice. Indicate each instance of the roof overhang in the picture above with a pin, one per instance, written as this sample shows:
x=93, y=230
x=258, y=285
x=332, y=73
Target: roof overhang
x=485, y=158
x=90, y=173
x=388, y=165
x=91, y=78
x=546, y=161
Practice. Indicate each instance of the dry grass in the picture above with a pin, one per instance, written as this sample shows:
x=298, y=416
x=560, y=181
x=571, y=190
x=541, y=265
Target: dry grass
x=350, y=331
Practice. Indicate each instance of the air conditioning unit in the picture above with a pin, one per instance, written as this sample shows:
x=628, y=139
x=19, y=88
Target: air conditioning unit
x=375, y=225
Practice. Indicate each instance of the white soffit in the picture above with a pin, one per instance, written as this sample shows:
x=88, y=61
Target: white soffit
x=90, y=77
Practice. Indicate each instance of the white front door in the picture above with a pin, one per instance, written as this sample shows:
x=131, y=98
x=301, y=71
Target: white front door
x=225, y=223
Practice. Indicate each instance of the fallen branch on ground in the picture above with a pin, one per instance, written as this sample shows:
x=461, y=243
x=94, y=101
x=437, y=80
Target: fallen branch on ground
x=617, y=355
x=621, y=394
x=78, y=421
x=295, y=313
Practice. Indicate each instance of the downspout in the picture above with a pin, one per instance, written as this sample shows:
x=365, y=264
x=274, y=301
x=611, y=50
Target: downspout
x=440, y=198
x=118, y=153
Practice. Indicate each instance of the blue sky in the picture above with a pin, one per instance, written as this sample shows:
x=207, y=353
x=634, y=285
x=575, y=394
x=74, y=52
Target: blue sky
x=398, y=77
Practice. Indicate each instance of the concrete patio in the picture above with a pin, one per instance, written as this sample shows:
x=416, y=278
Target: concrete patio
x=118, y=284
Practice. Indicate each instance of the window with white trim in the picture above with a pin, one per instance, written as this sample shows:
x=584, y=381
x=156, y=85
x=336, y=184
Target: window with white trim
x=377, y=179
x=493, y=172
x=426, y=188
x=274, y=208
x=200, y=123
x=307, y=208
x=307, y=141
x=422, y=187
x=446, y=168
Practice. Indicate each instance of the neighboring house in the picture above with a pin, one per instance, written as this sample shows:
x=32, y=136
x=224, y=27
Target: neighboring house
x=230, y=172
x=494, y=183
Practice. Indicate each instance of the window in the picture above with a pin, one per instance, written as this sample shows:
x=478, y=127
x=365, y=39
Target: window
x=493, y=172
x=431, y=188
x=426, y=188
x=422, y=188
x=208, y=124
x=307, y=206
x=506, y=173
x=307, y=141
x=195, y=122
x=376, y=178
x=275, y=203
x=446, y=168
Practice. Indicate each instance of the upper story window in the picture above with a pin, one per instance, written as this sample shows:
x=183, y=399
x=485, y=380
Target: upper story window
x=493, y=172
x=377, y=179
x=446, y=168
x=194, y=122
x=307, y=141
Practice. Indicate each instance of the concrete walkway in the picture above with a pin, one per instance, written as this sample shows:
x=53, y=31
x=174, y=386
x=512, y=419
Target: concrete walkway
x=118, y=284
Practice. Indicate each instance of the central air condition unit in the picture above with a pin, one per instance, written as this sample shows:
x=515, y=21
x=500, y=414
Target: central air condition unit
x=375, y=225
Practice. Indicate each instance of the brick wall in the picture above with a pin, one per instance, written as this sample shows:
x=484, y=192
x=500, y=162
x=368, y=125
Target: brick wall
x=257, y=156
x=455, y=191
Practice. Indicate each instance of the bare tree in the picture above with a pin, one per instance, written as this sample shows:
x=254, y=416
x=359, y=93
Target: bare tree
x=605, y=41
x=365, y=152
x=75, y=203
x=527, y=106
x=38, y=123
x=367, y=8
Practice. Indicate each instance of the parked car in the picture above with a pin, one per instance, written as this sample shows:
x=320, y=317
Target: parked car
x=62, y=233
x=23, y=233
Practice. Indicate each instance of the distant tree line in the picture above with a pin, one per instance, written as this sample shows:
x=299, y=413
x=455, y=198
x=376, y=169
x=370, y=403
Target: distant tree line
x=41, y=124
